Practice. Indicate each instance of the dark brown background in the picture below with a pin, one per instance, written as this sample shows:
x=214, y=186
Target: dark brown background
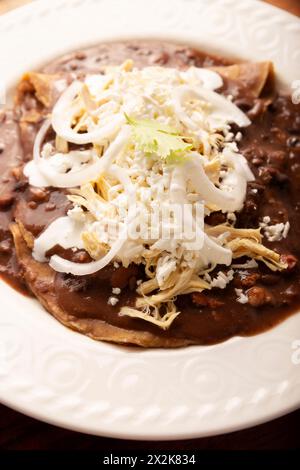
x=18, y=432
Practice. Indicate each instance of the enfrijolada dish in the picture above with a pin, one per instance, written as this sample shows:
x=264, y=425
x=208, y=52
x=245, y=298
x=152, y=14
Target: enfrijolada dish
x=150, y=194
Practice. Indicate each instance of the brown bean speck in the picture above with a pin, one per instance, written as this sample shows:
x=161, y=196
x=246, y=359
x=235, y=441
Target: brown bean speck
x=37, y=194
x=258, y=296
x=50, y=206
x=32, y=204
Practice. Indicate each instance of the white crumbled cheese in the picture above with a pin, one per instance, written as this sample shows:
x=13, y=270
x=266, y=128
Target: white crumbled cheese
x=212, y=177
x=232, y=146
x=276, y=232
x=113, y=301
x=242, y=298
x=76, y=214
x=251, y=264
x=222, y=279
x=254, y=191
x=265, y=221
x=231, y=217
x=238, y=136
x=116, y=290
x=165, y=267
x=285, y=232
x=229, y=136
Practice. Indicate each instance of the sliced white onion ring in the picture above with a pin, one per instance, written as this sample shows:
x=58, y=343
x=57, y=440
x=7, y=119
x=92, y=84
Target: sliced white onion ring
x=211, y=252
x=78, y=177
x=227, y=200
x=203, y=77
x=65, y=229
x=81, y=269
x=221, y=107
x=64, y=111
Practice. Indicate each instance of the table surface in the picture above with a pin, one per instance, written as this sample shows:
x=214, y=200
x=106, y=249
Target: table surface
x=18, y=432
x=291, y=5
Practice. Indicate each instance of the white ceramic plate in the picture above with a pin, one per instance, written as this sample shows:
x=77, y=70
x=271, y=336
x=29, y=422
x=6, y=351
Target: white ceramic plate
x=59, y=376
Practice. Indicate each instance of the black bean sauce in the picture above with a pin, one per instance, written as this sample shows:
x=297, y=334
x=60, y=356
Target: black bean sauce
x=272, y=147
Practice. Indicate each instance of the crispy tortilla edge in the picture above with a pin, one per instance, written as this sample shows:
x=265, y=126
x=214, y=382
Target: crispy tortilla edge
x=42, y=286
x=253, y=75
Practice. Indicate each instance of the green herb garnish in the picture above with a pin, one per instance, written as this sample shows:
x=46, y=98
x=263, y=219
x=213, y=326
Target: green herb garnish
x=152, y=137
